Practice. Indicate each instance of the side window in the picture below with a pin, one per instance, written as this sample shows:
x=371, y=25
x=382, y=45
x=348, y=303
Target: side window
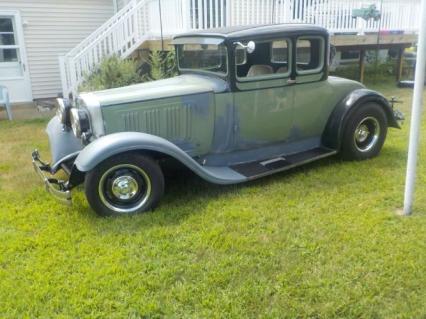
x=309, y=55
x=270, y=60
x=279, y=55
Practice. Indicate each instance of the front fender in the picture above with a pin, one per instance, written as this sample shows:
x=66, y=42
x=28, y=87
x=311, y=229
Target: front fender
x=337, y=121
x=117, y=143
x=63, y=143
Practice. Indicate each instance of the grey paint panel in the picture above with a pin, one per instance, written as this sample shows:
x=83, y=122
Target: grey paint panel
x=173, y=87
x=117, y=143
x=186, y=121
x=260, y=153
x=62, y=143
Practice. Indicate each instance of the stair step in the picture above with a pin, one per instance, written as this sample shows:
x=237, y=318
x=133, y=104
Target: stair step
x=269, y=166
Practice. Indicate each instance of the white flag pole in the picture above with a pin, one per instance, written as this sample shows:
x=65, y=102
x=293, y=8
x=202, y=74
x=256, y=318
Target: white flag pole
x=416, y=113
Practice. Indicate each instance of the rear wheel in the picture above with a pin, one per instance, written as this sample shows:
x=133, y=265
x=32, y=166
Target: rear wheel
x=124, y=184
x=365, y=132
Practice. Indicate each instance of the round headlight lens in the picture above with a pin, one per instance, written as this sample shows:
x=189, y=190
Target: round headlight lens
x=63, y=111
x=79, y=122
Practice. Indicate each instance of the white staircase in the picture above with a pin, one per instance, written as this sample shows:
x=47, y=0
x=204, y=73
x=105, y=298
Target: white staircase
x=140, y=20
x=120, y=35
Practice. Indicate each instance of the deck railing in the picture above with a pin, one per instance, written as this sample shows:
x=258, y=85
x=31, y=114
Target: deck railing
x=141, y=20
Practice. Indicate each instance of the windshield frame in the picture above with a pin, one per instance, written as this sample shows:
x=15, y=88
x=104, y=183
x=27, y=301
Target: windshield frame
x=179, y=42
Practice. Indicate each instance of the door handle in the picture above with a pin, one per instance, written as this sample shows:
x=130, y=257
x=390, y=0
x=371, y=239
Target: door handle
x=291, y=81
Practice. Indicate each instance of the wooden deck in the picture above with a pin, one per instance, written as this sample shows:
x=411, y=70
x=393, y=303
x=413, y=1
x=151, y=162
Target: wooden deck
x=371, y=41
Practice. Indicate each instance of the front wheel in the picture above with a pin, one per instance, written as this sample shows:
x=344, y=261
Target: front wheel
x=124, y=184
x=365, y=132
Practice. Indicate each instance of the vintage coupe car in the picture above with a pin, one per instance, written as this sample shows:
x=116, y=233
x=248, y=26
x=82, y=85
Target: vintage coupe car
x=249, y=102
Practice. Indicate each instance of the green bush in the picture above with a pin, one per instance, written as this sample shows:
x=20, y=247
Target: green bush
x=162, y=65
x=115, y=72
x=112, y=72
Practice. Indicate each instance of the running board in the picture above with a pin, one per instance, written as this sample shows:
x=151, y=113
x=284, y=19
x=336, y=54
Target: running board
x=257, y=169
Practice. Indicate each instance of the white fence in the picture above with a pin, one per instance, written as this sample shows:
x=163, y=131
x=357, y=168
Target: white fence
x=141, y=20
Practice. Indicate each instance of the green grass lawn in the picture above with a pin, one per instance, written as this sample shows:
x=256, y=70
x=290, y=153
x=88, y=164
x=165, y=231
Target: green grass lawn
x=321, y=241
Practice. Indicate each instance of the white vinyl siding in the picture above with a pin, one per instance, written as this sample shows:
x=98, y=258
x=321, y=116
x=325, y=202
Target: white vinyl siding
x=52, y=28
x=122, y=3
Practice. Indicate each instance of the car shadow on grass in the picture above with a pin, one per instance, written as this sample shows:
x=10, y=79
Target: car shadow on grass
x=187, y=195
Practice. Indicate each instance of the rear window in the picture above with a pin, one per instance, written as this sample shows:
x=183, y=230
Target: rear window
x=309, y=55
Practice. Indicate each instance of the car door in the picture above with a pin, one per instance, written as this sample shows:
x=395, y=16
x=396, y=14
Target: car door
x=313, y=94
x=263, y=98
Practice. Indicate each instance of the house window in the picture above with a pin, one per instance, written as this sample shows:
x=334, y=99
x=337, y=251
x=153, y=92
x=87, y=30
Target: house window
x=309, y=55
x=8, y=55
x=350, y=55
x=8, y=47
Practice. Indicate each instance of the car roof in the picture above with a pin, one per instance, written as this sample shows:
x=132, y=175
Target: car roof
x=236, y=32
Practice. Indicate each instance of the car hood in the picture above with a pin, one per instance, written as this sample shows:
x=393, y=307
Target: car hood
x=177, y=86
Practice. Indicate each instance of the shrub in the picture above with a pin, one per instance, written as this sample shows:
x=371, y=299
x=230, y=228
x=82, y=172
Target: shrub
x=115, y=72
x=162, y=65
x=112, y=72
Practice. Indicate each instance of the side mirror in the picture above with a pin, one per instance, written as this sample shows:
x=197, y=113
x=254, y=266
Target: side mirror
x=250, y=47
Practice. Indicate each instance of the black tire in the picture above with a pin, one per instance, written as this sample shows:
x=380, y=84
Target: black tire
x=365, y=132
x=124, y=184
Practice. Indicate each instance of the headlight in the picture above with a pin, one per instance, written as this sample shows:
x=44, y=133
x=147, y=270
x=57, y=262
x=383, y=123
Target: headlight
x=79, y=122
x=63, y=111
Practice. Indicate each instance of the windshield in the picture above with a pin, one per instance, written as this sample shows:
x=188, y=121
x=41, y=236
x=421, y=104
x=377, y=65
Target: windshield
x=203, y=57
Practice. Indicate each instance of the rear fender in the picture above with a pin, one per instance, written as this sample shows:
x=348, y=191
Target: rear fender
x=337, y=121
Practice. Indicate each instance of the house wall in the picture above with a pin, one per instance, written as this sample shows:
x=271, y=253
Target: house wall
x=52, y=28
x=122, y=3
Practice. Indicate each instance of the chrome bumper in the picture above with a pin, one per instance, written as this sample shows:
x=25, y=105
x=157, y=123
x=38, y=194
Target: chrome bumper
x=56, y=187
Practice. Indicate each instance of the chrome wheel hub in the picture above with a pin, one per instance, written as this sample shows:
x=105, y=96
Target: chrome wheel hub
x=367, y=134
x=124, y=187
x=362, y=133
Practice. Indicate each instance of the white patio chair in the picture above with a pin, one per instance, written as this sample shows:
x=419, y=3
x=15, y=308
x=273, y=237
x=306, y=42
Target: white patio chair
x=5, y=102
